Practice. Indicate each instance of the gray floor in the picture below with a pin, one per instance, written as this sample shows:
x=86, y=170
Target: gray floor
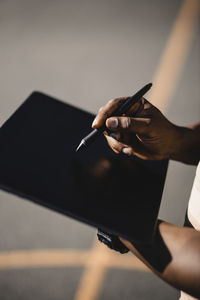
x=86, y=52
x=124, y=284
x=34, y=284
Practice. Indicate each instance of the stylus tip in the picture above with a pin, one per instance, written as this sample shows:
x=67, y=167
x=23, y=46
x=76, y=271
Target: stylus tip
x=81, y=146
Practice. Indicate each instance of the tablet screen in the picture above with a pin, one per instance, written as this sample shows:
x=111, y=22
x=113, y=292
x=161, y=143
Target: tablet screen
x=38, y=161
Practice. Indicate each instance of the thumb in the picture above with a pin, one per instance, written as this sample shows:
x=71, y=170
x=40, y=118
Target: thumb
x=128, y=124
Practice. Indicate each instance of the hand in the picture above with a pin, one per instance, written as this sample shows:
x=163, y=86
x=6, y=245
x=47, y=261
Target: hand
x=143, y=131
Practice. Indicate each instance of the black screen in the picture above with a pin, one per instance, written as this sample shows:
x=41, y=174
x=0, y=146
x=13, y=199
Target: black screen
x=38, y=161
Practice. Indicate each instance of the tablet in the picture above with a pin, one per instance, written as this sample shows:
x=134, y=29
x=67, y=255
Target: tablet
x=38, y=162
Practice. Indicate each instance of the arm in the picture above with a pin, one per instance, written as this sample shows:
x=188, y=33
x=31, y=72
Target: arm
x=145, y=132
x=174, y=256
x=188, y=146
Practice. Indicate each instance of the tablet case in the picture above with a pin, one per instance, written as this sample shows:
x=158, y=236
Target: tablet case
x=38, y=162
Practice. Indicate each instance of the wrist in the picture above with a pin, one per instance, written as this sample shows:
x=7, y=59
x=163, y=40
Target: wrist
x=177, y=142
x=186, y=145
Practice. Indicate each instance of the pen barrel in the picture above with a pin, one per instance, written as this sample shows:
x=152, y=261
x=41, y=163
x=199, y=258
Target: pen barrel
x=131, y=101
x=92, y=136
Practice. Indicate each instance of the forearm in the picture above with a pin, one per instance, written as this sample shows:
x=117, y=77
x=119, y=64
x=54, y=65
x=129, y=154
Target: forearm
x=187, y=142
x=174, y=256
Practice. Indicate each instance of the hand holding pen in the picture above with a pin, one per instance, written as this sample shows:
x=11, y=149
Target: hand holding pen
x=118, y=110
x=142, y=131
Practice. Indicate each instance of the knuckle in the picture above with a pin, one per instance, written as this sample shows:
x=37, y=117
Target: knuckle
x=100, y=109
x=104, y=113
x=126, y=123
x=111, y=101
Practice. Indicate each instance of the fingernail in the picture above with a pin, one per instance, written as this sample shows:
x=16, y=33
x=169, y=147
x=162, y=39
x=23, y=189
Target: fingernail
x=112, y=123
x=127, y=151
x=94, y=122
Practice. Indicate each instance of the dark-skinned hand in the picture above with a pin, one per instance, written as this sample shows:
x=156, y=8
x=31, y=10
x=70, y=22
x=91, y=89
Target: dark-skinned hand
x=143, y=131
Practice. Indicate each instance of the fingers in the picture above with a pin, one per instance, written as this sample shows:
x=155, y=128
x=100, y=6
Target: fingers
x=128, y=124
x=106, y=111
x=136, y=148
x=142, y=108
x=116, y=146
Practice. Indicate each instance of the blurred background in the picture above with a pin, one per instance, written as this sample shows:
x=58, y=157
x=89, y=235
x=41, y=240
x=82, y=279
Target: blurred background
x=86, y=52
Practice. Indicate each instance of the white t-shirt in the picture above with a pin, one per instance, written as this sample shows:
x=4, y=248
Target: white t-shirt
x=194, y=202
x=194, y=214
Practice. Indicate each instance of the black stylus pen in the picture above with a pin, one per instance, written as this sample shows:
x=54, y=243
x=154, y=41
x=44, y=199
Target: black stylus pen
x=91, y=137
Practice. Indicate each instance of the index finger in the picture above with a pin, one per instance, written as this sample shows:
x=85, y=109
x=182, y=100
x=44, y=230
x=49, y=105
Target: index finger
x=106, y=111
